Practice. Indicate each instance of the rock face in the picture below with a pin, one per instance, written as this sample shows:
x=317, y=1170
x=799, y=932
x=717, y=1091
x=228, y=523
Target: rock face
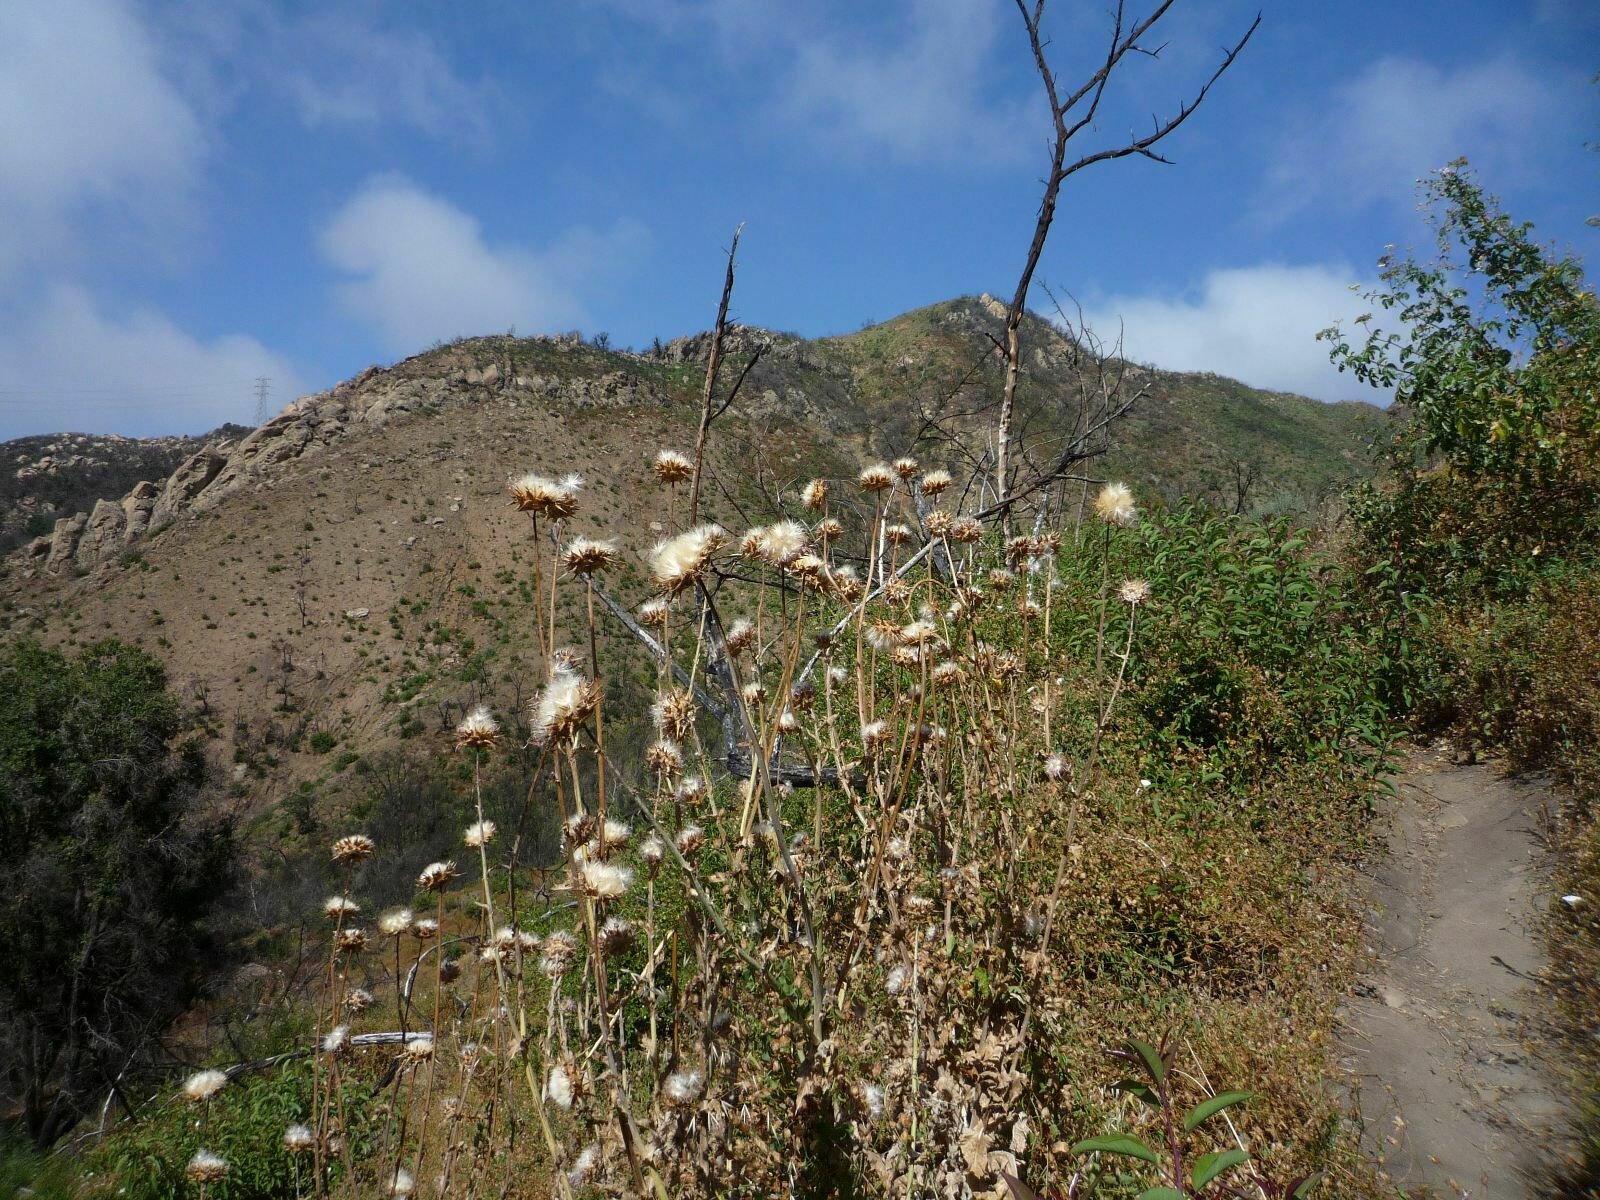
x=425, y=383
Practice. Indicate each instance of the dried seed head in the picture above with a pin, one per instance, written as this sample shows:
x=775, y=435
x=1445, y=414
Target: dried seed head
x=478, y=728
x=691, y=788
x=402, y=1184
x=946, y=673
x=877, y=478
x=605, y=881
x=895, y=982
x=336, y=1040
x=615, y=936
x=424, y=928
x=918, y=633
x=873, y=735
x=935, y=482
x=828, y=529
x=436, y=876
x=938, y=523
x=740, y=637
x=418, y=1049
x=449, y=970
x=754, y=692
x=788, y=722
x=479, y=834
x=897, y=534
x=674, y=713
x=652, y=850
x=781, y=543
x=351, y=941
x=582, y=1166
x=358, y=1000
x=683, y=1088
x=664, y=757
x=545, y=497
x=672, y=467
x=906, y=467
x=393, y=924
x=678, y=562
x=298, y=1139
x=802, y=695
x=558, y=1088
x=566, y=702
x=560, y=948
x=352, y=849
x=966, y=530
x=336, y=908
x=1057, y=767
x=585, y=555
x=1133, y=591
x=815, y=495
x=615, y=833
x=1114, y=505
x=1000, y=580
x=653, y=613
x=689, y=840
x=203, y=1085
x=206, y=1167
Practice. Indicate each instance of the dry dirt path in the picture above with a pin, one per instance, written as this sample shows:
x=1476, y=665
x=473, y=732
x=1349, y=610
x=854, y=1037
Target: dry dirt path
x=1452, y=1101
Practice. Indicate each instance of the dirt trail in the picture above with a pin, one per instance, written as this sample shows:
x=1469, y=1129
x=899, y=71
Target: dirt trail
x=1453, y=1103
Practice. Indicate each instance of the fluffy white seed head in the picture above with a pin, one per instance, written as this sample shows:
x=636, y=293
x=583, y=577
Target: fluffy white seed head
x=478, y=728
x=203, y=1085
x=1114, y=505
x=677, y=562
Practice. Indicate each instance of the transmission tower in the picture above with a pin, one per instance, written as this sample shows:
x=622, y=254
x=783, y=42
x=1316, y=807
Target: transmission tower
x=263, y=384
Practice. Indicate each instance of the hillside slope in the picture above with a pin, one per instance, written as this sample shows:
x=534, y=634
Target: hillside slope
x=349, y=576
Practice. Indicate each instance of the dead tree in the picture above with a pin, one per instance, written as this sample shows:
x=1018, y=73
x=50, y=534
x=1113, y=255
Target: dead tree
x=1071, y=114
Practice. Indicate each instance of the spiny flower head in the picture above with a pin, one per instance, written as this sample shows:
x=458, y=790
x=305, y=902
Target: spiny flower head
x=436, y=877
x=479, y=834
x=425, y=927
x=1133, y=591
x=877, y=478
x=419, y=1047
x=358, y=1000
x=1114, y=505
x=203, y=1085
x=677, y=562
x=935, y=482
x=672, y=467
x=586, y=555
x=897, y=534
x=966, y=530
x=566, y=703
x=206, y=1167
x=352, y=849
x=652, y=850
x=478, y=728
x=545, y=497
x=828, y=529
x=815, y=495
x=905, y=466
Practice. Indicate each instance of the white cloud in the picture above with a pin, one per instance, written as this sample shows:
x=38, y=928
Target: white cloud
x=914, y=80
x=419, y=268
x=91, y=132
x=1401, y=118
x=1256, y=324
x=919, y=95
x=66, y=364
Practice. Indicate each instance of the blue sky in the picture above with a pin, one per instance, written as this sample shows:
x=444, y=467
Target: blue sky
x=196, y=194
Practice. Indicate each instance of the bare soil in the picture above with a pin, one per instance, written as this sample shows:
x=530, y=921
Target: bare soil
x=1453, y=1099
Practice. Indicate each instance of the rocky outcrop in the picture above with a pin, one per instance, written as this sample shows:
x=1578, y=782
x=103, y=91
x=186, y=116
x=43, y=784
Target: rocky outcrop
x=64, y=543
